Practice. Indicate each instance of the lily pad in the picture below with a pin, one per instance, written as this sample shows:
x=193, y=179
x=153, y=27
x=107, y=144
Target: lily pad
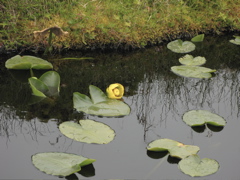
x=99, y=104
x=189, y=60
x=193, y=71
x=88, y=131
x=27, y=62
x=194, y=166
x=60, y=164
x=175, y=148
x=47, y=85
x=178, y=46
x=201, y=117
x=236, y=40
x=198, y=38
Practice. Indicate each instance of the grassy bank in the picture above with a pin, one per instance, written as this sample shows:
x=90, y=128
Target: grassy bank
x=112, y=23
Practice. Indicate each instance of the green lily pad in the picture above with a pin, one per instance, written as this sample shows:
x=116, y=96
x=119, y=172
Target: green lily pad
x=60, y=164
x=27, y=62
x=201, y=117
x=47, y=85
x=175, y=148
x=88, y=131
x=193, y=71
x=99, y=104
x=178, y=46
x=194, y=166
x=198, y=38
x=236, y=40
x=190, y=61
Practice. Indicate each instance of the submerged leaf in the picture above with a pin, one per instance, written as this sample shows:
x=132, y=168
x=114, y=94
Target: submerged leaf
x=190, y=61
x=175, y=148
x=200, y=117
x=194, y=166
x=193, y=71
x=88, y=131
x=27, y=62
x=60, y=164
x=100, y=104
x=181, y=47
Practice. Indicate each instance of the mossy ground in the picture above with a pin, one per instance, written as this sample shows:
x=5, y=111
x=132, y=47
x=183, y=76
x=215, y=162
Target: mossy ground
x=112, y=23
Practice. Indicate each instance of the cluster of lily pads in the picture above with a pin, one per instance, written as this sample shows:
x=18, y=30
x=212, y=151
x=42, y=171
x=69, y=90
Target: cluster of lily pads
x=108, y=104
x=190, y=163
x=190, y=65
x=87, y=131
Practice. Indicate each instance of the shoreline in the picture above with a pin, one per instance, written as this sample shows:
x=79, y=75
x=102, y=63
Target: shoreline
x=111, y=24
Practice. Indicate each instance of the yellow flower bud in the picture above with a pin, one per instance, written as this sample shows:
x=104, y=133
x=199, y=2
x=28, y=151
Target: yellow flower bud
x=115, y=91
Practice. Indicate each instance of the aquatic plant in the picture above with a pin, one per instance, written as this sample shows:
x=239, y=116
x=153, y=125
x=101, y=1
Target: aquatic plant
x=201, y=117
x=88, y=131
x=198, y=38
x=175, y=148
x=115, y=91
x=27, y=62
x=191, y=68
x=236, y=40
x=60, y=164
x=47, y=85
x=179, y=46
x=99, y=104
x=194, y=166
x=190, y=163
x=189, y=60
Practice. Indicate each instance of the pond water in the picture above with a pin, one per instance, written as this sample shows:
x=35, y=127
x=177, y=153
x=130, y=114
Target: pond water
x=157, y=97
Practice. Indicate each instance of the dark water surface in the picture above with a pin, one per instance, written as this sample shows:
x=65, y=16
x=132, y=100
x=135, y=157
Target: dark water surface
x=157, y=97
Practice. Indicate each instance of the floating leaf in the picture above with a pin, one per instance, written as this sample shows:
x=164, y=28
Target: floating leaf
x=198, y=38
x=27, y=62
x=47, y=85
x=182, y=151
x=99, y=104
x=194, y=166
x=88, y=131
x=200, y=117
x=175, y=148
x=236, y=40
x=193, y=71
x=179, y=46
x=190, y=61
x=60, y=164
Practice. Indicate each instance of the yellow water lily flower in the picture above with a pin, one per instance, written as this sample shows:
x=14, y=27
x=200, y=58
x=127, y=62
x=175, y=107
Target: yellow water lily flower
x=115, y=91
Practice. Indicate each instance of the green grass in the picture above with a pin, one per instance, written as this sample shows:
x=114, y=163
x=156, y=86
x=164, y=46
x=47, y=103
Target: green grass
x=113, y=23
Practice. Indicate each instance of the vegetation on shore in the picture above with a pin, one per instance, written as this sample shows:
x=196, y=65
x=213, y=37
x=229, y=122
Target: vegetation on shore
x=112, y=23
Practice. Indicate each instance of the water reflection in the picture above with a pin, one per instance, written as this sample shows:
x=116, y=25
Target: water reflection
x=169, y=98
x=158, y=99
x=13, y=124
